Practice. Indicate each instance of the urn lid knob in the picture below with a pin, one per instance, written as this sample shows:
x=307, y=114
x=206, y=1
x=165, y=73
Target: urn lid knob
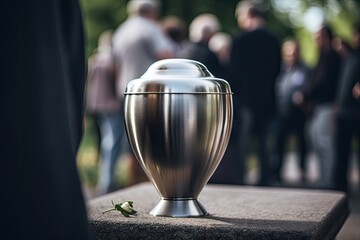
x=177, y=76
x=183, y=68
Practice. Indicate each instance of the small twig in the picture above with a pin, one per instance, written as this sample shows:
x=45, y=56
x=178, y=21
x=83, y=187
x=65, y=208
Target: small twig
x=109, y=210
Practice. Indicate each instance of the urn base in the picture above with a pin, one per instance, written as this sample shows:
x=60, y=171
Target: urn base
x=179, y=208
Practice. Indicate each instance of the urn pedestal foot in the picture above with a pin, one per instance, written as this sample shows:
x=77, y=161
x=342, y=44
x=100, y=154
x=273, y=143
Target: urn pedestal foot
x=179, y=208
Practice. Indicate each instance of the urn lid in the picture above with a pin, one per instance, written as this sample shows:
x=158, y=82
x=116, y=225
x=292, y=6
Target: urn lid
x=178, y=76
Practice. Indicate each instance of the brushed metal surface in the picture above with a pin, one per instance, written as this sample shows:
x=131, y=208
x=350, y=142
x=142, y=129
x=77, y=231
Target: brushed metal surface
x=179, y=208
x=177, y=76
x=178, y=129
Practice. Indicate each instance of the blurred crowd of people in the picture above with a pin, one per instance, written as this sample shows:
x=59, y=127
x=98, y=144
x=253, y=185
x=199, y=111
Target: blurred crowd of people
x=276, y=95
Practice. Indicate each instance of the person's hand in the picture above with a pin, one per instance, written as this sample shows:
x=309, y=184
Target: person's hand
x=298, y=98
x=356, y=91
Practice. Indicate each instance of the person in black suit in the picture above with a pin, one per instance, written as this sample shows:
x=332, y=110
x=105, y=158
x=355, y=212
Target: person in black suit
x=43, y=78
x=318, y=97
x=255, y=64
x=347, y=113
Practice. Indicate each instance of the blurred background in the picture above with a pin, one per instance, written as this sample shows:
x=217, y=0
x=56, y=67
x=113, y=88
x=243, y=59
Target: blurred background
x=295, y=18
x=286, y=18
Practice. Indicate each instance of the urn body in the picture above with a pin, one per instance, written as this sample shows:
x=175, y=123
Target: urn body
x=178, y=119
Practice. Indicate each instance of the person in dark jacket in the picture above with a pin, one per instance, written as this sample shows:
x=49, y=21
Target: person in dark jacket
x=319, y=97
x=41, y=98
x=347, y=113
x=254, y=64
x=290, y=117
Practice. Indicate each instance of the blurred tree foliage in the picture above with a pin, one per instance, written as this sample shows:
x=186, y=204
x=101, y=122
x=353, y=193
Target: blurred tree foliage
x=284, y=17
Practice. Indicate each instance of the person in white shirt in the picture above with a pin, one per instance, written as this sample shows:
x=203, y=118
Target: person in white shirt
x=137, y=43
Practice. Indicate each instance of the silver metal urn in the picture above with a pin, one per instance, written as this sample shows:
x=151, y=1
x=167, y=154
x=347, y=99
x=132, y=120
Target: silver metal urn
x=178, y=120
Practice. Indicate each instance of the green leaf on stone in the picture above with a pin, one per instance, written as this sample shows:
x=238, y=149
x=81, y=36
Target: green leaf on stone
x=125, y=208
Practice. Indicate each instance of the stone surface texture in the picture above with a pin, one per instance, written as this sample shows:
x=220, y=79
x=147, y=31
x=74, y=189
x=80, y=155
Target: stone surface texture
x=235, y=212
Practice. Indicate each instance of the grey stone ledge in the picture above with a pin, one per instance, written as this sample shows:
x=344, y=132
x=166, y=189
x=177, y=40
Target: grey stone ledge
x=235, y=212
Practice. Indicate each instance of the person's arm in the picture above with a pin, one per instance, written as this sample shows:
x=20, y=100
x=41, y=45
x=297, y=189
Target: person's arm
x=161, y=44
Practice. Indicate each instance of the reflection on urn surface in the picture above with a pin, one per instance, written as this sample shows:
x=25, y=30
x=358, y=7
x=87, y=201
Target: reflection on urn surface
x=178, y=119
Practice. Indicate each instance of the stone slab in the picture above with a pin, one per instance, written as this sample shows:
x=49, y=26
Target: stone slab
x=235, y=212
